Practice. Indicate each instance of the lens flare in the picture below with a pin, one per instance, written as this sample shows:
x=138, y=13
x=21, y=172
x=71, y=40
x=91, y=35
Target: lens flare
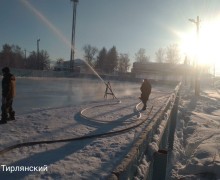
x=207, y=48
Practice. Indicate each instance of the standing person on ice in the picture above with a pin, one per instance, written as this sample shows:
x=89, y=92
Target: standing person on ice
x=8, y=93
x=145, y=92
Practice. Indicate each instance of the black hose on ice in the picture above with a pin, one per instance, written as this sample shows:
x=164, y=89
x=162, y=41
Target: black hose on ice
x=32, y=143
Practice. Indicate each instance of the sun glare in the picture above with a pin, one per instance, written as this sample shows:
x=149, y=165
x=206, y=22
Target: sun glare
x=205, y=51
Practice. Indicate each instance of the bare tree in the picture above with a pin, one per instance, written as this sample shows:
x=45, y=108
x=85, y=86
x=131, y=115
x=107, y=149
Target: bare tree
x=12, y=56
x=141, y=57
x=123, y=63
x=160, y=55
x=172, y=54
x=43, y=62
x=89, y=53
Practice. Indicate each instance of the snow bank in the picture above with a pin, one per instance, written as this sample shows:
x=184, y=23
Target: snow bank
x=197, y=138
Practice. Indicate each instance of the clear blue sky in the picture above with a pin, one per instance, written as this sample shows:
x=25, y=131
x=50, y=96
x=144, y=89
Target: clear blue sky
x=127, y=24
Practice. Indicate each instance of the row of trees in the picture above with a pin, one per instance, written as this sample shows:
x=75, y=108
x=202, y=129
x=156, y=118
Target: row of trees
x=106, y=61
x=109, y=61
x=12, y=56
x=170, y=54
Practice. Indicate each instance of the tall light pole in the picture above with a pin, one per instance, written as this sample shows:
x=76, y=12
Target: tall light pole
x=197, y=83
x=38, y=63
x=73, y=35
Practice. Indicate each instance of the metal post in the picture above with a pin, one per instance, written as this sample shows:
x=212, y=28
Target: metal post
x=159, y=165
x=73, y=35
x=197, y=83
x=38, y=63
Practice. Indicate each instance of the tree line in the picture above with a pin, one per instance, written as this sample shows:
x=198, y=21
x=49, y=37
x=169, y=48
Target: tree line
x=13, y=56
x=105, y=61
x=171, y=54
x=109, y=61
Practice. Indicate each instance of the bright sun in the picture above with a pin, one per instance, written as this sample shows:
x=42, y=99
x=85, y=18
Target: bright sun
x=208, y=48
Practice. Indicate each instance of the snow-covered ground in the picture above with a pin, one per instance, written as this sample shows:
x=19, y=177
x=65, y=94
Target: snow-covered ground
x=196, y=153
x=49, y=109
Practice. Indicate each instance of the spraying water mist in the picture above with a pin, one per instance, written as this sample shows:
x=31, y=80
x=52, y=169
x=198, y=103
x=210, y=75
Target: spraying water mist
x=38, y=14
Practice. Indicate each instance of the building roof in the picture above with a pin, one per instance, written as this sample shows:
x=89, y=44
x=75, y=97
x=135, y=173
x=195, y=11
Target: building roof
x=158, y=67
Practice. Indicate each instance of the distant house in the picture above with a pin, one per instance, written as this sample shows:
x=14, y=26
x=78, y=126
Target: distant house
x=62, y=66
x=79, y=65
x=83, y=66
x=160, y=70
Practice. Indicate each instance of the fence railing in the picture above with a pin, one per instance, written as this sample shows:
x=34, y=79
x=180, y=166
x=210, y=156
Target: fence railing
x=143, y=160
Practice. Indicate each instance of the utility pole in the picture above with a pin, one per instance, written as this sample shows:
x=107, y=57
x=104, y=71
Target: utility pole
x=25, y=54
x=73, y=35
x=38, y=63
x=197, y=82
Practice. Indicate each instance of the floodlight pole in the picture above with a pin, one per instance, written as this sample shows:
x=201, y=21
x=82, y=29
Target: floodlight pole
x=197, y=83
x=73, y=35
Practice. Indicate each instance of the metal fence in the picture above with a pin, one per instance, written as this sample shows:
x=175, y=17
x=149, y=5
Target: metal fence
x=156, y=161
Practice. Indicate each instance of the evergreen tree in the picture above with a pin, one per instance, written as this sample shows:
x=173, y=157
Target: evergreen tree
x=111, y=61
x=101, y=59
